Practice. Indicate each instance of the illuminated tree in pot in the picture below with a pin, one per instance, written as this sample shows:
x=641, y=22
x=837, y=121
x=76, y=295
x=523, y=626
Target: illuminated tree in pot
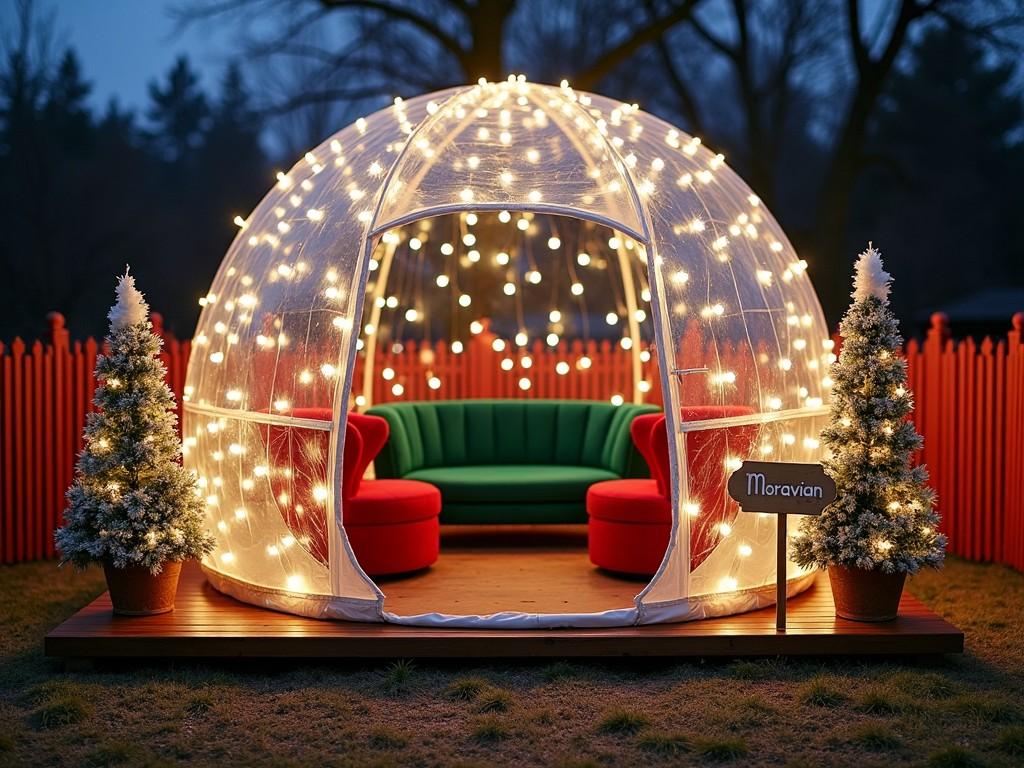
x=884, y=519
x=132, y=506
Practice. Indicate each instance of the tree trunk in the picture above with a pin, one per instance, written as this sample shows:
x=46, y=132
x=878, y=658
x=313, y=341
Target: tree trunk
x=487, y=21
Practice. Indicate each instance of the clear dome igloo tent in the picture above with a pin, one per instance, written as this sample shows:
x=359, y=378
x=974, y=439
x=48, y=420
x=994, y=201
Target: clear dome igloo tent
x=280, y=329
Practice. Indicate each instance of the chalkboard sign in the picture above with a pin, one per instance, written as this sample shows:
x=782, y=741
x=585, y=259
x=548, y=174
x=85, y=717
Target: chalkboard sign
x=781, y=489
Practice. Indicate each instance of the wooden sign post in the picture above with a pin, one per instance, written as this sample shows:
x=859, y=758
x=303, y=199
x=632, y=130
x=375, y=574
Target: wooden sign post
x=781, y=489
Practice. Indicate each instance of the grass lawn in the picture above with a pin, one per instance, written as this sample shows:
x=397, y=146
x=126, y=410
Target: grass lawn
x=958, y=711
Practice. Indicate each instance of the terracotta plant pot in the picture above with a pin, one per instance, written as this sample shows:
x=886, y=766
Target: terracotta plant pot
x=866, y=595
x=134, y=591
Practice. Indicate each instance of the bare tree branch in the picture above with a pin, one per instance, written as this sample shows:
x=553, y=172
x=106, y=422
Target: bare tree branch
x=404, y=14
x=690, y=108
x=637, y=39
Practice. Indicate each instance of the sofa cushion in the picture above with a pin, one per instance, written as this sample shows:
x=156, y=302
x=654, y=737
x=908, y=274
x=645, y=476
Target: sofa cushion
x=509, y=483
x=521, y=513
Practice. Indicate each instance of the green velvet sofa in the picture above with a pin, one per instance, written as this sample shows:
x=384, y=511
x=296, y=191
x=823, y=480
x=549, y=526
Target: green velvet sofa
x=510, y=461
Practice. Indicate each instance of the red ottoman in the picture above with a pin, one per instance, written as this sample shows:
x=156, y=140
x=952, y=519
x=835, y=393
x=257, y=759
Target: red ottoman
x=392, y=525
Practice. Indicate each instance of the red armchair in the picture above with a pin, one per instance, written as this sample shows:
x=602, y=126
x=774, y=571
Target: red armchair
x=630, y=521
x=392, y=525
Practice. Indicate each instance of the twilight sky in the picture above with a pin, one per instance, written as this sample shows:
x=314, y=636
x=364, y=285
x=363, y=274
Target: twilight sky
x=125, y=44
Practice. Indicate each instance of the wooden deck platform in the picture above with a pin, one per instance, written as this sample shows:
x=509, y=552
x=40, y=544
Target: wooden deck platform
x=207, y=624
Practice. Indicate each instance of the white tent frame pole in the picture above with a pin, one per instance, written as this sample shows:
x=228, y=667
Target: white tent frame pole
x=370, y=358
x=631, y=309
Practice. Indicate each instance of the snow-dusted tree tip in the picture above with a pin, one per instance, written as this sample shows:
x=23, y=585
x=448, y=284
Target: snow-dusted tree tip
x=869, y=277
x=131, y=307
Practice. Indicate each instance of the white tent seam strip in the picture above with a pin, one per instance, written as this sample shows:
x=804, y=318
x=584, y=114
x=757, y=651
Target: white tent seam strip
x=564, y=210
x=756, y=418
x=259, y=417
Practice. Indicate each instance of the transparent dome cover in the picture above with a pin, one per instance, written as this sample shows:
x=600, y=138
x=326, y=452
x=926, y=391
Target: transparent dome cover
x=271, y=375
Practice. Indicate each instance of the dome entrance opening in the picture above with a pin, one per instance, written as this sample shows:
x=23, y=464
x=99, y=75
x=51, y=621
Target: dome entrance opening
x=519, y=344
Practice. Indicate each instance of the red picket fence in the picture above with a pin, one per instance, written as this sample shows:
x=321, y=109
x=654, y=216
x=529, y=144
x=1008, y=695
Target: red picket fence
x=970, y=408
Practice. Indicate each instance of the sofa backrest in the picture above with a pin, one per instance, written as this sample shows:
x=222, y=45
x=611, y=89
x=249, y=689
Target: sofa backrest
x=474, y=432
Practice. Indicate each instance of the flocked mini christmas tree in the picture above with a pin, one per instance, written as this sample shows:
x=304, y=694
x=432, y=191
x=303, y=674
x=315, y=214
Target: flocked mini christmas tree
x=132, y=503
x=883, y=518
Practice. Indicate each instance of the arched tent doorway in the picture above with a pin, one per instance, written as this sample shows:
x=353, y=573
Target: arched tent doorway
x=281, y=325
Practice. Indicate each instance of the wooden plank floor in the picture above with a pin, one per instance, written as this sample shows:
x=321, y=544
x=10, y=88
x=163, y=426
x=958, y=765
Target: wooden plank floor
x=528, y=568
x=206, y=623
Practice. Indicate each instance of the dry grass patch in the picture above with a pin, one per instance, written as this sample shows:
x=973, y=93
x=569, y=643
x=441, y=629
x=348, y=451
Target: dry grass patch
x=752, y=711
x=821, y=691
x=666, y=744
x=883, y=701
x=114, y=753
x=541, y=716
x=720, y=750
x=560, y=671
x=62, y=711
x=387, y=738
x=955, y=757
x=986, y=707
x=1011, y=741
x=622, y=721
x=922, y=685
x=466, y=688
x=489, y=730
x=398, y=677
x=495, y=701
x=876, y=738
x=199, y=704
x=749, y=670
